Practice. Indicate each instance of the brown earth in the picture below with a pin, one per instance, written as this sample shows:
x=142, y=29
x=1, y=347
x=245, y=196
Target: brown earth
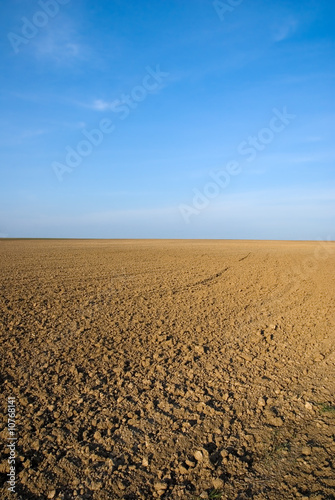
x=169, y=369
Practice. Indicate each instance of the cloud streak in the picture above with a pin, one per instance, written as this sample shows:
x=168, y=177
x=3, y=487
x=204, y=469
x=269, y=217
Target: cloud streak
x=102, y=105
x=285, y=30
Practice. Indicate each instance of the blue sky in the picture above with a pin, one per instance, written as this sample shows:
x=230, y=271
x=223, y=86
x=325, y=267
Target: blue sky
x=116, y=116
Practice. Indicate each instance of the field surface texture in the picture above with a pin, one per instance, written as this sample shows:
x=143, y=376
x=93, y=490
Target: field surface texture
x=147, y=369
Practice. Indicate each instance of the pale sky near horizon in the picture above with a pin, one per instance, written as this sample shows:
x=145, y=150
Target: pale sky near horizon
x=144, y=119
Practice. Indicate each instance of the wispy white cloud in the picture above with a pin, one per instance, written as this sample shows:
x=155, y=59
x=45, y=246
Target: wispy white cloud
x=28, y=134
x=110, y=220
x=297, y=158
x=60, y=42
x=62, y=125
x=54, y=47
x=313, y=139
x=102, y=105
x=285, y=199
x=257, y=171
x=275, y=213
x=285, y=29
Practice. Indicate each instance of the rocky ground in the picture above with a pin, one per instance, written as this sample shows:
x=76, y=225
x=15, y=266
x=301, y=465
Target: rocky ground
x=169, y=369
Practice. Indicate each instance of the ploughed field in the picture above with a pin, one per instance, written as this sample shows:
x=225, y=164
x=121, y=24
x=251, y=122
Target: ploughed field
x=169, y=369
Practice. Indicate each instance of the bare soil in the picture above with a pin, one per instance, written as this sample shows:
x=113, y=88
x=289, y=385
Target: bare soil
x=169, y=369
